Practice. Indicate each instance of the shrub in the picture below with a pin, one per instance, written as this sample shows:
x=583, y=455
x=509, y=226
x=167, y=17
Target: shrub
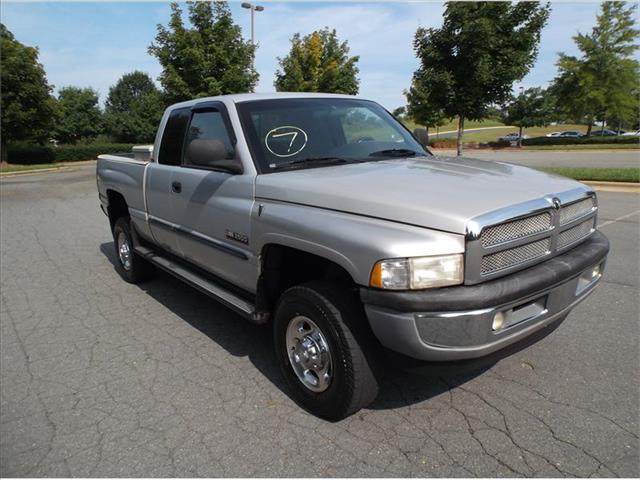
x=443, y=143
x=37, y=154
x=498, y=144
x=580, y=141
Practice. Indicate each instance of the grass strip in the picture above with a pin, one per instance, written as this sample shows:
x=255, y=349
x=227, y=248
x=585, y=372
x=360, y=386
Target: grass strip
x=597, y=174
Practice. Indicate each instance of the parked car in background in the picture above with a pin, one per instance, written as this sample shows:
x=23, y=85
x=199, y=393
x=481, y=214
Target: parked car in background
x=513, y=137
x=633, y=133
x=553, y=134
x=604, y=133
x=571, y=134
x=323, y=216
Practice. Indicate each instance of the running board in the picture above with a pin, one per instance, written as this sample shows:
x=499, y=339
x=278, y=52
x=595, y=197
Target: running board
x=224, y=296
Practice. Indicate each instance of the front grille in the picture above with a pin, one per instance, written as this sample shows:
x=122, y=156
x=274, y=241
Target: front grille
x=502, y=242
x=576, y=210
x=516, y=229
x=514, y=256
x=574, y=234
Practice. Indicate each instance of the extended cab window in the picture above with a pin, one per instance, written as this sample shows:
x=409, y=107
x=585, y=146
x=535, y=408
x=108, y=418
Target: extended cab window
x=208, y=125
x=173, y=137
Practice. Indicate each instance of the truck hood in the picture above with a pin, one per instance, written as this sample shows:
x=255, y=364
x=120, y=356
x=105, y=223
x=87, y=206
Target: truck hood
x=441, y=193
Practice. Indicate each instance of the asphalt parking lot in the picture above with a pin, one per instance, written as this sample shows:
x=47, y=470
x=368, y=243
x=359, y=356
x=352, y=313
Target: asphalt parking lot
x=102, y=378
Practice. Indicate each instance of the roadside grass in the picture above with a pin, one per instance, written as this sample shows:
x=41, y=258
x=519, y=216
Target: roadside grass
x=595, y=146
x=597, y=174
x=453, y=125
x=11, y=168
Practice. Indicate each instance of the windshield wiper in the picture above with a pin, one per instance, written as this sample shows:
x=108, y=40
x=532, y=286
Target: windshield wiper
x=310, y=161
x=394, y=152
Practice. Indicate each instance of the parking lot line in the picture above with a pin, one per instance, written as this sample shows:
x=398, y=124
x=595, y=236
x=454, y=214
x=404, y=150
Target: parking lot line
x=623, y=217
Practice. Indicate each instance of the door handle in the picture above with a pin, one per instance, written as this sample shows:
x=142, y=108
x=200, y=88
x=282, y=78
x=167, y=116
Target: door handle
x=176, y=187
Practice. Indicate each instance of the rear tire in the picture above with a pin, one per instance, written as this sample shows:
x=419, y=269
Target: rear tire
x=129, y=265
x=325, y=349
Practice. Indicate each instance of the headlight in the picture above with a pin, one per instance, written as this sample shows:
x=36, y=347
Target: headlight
x=419, y=272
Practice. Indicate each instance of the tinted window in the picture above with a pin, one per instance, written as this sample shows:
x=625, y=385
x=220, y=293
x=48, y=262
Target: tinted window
x=173, y=137
x=208, y=125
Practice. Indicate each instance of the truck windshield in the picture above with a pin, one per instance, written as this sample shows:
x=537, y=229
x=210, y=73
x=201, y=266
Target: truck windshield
x=293, y=133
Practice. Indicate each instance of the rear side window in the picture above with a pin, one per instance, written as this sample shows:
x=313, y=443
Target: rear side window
x=173, y=137
x=208, y=125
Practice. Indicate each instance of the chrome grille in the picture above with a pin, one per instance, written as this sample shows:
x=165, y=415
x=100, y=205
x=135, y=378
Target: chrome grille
x=514, y=256
x=507, y=240
x=509, y=231
x=574, y=234
x=576, y=210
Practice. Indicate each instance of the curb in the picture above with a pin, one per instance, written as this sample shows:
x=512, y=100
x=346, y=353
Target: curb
x=27, y=172
x=624, y=187
x=64, y=166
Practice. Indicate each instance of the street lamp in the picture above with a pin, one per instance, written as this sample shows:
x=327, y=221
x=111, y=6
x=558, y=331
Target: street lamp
x=253, y=8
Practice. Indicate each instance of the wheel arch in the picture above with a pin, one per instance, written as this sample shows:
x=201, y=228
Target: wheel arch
x=283, y=265
x=117, y=206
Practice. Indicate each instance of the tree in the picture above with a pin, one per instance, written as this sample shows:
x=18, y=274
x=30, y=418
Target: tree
x=532, y=108
x=474, y=58
x=318, y=63
x=28, y=109
x=399, y=112
x=79, y=115
x=133, y=108
x=421, y=107
x=602, y=82
x=211, y=58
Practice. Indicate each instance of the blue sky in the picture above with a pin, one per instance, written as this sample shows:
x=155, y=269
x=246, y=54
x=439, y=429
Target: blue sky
x=93, y=44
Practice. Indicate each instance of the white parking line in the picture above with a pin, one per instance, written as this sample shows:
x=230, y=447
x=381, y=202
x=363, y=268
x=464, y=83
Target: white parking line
x=609, y=222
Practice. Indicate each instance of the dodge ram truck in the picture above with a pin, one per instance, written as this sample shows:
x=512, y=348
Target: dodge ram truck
x=322, y=216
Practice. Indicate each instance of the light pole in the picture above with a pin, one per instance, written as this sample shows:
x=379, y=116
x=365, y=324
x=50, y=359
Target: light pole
x=253, y=8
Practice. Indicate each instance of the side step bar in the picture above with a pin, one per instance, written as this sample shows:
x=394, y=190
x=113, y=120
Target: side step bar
x=224, y=296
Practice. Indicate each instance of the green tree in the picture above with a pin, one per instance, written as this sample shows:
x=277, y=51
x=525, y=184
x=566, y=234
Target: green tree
x=399, y=112
x=28, y=109
x=80, y=117
x=208, y=59
x=133, y=108
x=474, y=58
x=422, y=108
x=533, y=107
x=602, y=82
x=318, y=63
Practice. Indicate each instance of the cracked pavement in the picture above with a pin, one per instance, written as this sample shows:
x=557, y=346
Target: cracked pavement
x=102, y=378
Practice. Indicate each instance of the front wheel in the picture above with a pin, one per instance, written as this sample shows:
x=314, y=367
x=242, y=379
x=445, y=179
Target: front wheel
x=325, y=349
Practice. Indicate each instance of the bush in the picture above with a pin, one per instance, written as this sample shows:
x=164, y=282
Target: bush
x=443, y=143
x=37, y=154
x=580, y=140
x=498, y=144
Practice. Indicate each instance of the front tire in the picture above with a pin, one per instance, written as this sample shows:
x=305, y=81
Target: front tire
x=129, y=265
x=325, y=349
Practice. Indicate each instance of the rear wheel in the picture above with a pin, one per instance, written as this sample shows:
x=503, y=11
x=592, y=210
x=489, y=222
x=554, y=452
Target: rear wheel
x=130, y=265
x=325, y=349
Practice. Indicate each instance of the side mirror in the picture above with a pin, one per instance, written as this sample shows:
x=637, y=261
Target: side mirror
x=211, y=153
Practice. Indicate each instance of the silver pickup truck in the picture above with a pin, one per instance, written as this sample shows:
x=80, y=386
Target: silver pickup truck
x=324, y=217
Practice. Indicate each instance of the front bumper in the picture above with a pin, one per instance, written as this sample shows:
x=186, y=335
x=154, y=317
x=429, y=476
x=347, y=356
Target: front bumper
x=456, y=323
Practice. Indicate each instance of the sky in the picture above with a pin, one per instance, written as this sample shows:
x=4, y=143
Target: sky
x=94, y=44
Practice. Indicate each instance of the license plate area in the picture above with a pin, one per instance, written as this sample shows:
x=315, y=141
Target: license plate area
x=525, y=311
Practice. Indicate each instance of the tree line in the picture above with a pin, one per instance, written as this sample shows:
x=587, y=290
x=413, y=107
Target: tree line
x=467, y=68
